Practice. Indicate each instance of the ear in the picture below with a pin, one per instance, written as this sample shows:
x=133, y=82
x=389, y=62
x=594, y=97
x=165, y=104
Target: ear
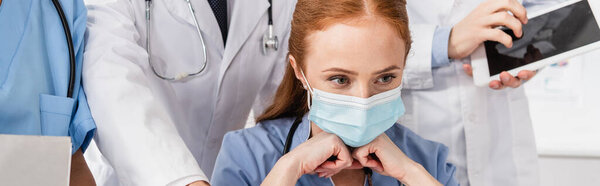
x=297, y=70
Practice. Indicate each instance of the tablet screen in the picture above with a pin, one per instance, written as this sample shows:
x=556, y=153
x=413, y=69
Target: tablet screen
x=544, y=36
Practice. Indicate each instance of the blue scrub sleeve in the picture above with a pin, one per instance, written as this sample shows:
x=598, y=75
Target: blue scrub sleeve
x=82, y=125
x=234, y=165
x=82, y=128
x=439, y=56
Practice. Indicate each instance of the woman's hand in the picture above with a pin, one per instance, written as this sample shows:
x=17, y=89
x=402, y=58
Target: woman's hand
x=479, y=26
x=385, y=158
x=312, y=156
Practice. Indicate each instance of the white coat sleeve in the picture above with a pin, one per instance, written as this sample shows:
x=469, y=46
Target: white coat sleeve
x=135, y=132
x=417, y=71
x=537, y=5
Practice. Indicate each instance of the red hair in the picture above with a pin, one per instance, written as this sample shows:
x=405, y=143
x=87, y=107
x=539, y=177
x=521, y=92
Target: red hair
x=317, y=15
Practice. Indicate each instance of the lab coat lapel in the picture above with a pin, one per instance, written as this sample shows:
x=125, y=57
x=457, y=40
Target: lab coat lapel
x=245, y=15
x=204, y=14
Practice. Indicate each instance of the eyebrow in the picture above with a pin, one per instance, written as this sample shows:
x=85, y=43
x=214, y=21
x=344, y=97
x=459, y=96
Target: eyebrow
x=340, y=70
x=390, y=68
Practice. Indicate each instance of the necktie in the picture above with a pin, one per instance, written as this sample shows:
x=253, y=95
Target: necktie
x=219, y=8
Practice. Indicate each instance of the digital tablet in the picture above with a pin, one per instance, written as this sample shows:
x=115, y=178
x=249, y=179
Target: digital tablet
x=551, y=35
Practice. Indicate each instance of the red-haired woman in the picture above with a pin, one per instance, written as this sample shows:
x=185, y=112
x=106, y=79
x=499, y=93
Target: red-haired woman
x=344, y=60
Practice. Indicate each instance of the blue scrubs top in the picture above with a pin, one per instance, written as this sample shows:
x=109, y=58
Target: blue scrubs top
x=34, y=71
x=247, y=155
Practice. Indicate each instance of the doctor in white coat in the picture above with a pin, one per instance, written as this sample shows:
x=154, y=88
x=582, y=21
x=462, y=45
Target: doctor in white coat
x=487, y=129
x=163, y=132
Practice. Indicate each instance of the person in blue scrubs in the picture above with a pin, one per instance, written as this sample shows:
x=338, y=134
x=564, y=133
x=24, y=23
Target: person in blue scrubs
x=347, y=59
x=34, y=76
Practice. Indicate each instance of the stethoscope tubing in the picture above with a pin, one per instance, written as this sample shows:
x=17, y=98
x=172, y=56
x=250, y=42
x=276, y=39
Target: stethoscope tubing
x=271, y=41
x=69, y=38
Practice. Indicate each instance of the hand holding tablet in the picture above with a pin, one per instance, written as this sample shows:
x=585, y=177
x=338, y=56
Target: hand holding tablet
x=557, y=33
x=479, y=26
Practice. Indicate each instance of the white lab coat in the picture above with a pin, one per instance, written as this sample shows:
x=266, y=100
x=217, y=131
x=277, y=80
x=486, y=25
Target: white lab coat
x=488, y=132
x=157, y=132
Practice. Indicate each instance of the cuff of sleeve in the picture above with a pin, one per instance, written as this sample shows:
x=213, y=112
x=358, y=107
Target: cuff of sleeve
x=187, y=180
x=81, y=134
x=418, y=72
x=439, y=56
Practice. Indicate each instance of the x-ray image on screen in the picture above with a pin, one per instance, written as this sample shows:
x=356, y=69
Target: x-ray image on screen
x=544, y=36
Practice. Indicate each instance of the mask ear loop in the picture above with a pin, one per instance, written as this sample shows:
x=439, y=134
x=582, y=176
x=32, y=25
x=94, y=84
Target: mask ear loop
x=309, y=91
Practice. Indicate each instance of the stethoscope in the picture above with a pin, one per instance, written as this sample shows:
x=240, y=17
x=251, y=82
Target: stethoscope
x=67, y=30
x=270, y=41
x=288, y=139
x=288, y=144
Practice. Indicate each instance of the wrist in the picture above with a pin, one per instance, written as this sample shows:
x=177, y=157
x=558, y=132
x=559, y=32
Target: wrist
x=412, y=175
x=285, y=172
x=290, y=164
x=452, y=48
x=458, y=43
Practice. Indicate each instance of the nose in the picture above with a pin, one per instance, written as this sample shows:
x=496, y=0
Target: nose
x=364, y=91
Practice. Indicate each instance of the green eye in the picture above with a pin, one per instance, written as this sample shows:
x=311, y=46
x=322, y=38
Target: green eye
x=339, y=80
x=386, y=79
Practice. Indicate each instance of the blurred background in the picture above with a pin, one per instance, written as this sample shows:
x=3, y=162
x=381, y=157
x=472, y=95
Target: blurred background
x=564, y=102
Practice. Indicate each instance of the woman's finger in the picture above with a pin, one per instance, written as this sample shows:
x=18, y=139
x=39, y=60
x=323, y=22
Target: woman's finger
x=374, y=164
x=355, y=165
x=361, y=153
x=344, y=156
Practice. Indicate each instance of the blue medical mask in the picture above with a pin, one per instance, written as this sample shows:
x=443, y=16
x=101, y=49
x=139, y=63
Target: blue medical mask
x=357, y=121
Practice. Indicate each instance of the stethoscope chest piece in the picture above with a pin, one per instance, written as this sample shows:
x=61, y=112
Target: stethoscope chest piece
x=269, y=41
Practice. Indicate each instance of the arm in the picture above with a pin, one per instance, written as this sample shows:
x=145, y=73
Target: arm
x=312, y=156
x=391, y=161
x=245, y=160
x=135, y=131
x=480, y=25
x=420, y=62
x=82, y=126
